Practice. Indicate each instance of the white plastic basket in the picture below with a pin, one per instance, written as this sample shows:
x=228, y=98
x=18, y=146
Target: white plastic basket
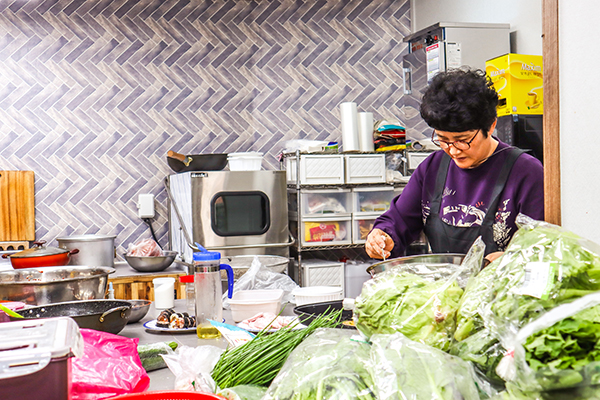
x=317, y=294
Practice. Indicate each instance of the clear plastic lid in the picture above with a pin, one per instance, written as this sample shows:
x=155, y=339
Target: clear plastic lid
x=28, y=346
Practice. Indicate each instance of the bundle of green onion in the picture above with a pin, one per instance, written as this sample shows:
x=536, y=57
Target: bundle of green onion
x=259, y=361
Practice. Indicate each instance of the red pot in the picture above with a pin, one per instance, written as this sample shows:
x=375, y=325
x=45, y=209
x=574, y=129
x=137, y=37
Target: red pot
x=40, y=256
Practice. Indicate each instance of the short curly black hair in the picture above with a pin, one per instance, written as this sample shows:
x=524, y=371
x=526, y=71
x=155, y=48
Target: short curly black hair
x=460, y=100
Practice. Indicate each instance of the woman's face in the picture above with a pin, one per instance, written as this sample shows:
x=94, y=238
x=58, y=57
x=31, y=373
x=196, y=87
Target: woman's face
x=466, y=157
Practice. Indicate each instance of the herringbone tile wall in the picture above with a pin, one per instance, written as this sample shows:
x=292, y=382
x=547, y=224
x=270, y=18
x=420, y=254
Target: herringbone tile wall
x=94, y=93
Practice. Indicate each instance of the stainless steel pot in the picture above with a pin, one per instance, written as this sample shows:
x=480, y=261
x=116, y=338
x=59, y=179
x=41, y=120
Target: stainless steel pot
x=38, y=286
x=94, y=250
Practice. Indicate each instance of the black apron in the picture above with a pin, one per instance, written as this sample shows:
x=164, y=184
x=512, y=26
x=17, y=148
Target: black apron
x=444, y=238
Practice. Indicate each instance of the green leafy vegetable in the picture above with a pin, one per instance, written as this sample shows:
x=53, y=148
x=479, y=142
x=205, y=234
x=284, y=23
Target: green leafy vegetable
x=500, y=297
x=330, y=364
x=400, y=301
x=404, y=369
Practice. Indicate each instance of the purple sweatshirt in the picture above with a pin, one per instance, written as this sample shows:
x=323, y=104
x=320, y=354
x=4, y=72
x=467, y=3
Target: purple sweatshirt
x=466, y=197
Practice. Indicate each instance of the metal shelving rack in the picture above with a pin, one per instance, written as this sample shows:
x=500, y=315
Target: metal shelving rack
x=334, y=251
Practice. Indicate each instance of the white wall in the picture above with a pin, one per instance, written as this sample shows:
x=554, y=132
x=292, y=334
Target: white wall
x=524, y=17
x=579, y=137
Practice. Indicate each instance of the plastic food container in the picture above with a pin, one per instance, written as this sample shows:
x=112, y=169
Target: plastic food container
x=317, y=294
x=247, y=303
x=250, y=161
x=35, y=358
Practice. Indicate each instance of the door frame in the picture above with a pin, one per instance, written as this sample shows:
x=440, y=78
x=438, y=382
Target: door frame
x=551, y=128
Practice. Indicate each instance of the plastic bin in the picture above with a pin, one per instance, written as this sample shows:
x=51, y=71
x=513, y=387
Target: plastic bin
x=35, y=358
x=317, y=294
x=250, y=161
x=247, y=303
x=326, y=231
x=361, y=226
x=365, y=168
x=322, y=273
x=372, y=199
x=316, y=169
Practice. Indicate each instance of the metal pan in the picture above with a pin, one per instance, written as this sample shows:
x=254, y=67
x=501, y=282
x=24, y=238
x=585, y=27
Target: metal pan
x=196, y=162
x=431, y=260
x=308, y=312
x=102, y=315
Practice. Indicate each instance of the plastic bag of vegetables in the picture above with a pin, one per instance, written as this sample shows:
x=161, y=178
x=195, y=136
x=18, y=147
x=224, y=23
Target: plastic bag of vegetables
x=559, y=350
x=420, y=301
x=405, y=369
x=543, y=267
x=329, y=364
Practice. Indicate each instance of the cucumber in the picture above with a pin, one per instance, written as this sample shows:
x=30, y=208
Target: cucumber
x=154, y=349
x=153, y=363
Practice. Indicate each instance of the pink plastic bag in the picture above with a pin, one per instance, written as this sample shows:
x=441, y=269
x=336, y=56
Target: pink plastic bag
x=144, y=248
x=110, y=366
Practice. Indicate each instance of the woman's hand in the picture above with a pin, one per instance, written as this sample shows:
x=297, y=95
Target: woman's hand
x=379, y=244
x=491, y=258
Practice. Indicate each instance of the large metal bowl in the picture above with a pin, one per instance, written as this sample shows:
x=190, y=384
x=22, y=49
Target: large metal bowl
x=241, y=264
x=432, y=261
x=39, y=286
x=151, y=264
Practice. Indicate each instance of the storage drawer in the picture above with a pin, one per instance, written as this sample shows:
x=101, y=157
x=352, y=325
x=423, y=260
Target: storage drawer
x=372, y=199
x=324, y=202
x=325, y=231
x=316, y=169
x=361, y=226
x=322, y=273
x=365, y=168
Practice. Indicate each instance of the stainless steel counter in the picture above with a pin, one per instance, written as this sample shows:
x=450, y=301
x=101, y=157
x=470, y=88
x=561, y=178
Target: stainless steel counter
x=163, y=379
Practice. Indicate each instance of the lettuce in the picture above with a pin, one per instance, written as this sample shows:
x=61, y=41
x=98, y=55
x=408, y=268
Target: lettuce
x=400, y=301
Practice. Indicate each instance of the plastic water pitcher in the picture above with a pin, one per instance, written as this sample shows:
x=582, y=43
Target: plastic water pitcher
x=209, y=293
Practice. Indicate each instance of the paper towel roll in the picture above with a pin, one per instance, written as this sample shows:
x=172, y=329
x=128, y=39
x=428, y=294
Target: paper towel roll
x=365, y=131
x=349, y=127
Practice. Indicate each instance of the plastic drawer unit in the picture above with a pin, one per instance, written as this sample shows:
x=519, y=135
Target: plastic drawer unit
x=361, y=226
x=316, y=169
x=328, y=203
x=322, y=273
x=322, y=231
x=372, y=199
x=365, y=168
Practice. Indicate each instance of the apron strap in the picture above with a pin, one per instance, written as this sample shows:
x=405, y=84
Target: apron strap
x=490, y=216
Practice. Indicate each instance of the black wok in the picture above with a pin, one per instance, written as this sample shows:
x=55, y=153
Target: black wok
x=102, y=315
x=196, y=162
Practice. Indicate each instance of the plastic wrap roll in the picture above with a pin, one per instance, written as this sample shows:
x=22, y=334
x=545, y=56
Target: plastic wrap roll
x=365, y=131
x=349, y=127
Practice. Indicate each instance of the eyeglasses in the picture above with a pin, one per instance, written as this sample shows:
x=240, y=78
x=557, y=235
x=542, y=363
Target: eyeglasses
x=458, y=144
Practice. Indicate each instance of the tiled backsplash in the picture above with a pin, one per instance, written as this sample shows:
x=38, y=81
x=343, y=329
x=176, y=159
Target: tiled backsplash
x=94, y=93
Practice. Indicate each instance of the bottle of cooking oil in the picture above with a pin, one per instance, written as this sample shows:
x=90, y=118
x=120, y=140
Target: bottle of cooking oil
x=206, y=330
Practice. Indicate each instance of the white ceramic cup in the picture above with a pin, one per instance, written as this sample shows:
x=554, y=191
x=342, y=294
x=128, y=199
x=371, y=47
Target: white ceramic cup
x=164, y=292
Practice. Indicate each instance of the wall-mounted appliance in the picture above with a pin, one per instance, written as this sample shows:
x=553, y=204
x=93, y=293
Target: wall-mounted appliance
x=233, y=212
x=439, y=47
x=523, y=131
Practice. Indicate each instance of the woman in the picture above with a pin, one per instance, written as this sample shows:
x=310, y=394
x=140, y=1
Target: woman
x=476, y=185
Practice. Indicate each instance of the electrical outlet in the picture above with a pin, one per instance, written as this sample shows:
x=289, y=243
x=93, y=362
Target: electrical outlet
x=146, y=206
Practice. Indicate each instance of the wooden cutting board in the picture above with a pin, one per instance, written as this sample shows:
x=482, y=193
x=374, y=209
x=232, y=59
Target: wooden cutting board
x=17, y=206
